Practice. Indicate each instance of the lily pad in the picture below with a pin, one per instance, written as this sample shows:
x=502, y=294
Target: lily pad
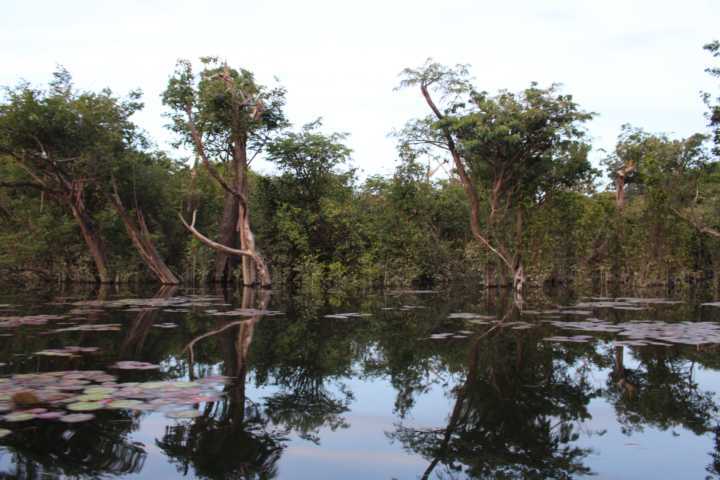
x=18, y=417
x=4, y=432
x=124, y=404
x=76, y=417
x=91, y=397
x=85, y=406
x=132, y=365
x=183, y=414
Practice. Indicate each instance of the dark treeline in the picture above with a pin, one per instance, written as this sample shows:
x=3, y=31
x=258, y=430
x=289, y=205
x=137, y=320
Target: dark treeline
x=496, y=187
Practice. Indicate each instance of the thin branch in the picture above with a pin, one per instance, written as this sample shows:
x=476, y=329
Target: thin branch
x=200, y=150
x=699, y=226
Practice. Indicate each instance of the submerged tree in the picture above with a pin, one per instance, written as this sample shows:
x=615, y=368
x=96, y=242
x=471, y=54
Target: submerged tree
x=70, y=145
x=510, y=151
x=227, y=118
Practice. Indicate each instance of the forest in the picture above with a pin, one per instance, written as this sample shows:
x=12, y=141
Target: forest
x=495, y=188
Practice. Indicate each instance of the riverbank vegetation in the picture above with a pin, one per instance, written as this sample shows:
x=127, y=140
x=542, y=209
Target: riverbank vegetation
x=494, y=187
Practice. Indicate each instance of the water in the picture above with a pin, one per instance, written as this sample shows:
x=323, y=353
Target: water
x=448, y=384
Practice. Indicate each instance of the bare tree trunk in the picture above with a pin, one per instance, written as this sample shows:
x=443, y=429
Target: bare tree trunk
x=93, y=241
x=620, y=191
x=247, y=239
x=224, y=263
x=141, y=239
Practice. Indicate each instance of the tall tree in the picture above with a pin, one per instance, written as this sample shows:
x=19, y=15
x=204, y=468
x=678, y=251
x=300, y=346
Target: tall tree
x=510, y=151
x=70, y=144
x=227, y=118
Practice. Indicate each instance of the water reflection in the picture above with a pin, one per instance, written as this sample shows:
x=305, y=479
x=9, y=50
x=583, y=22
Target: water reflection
x=233, y=438
x=513, y=404
x=515, y=415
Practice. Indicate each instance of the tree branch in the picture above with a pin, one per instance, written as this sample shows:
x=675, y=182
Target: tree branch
x=259, y=262
x=699, y=226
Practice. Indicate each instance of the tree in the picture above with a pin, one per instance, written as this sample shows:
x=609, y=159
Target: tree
x=511, y=151
x=302, y=199
x=228, y=119
x=70, y=145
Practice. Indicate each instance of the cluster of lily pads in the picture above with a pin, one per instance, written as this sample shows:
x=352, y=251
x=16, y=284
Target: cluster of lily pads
x=153, y=302
x=71, y=396
x=245, y=312
x=18, y=320
x=648, y=332
x=346, y=316
x=69, y=351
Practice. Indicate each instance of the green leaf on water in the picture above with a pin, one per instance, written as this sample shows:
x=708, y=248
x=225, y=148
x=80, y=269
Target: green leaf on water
x=85, y=406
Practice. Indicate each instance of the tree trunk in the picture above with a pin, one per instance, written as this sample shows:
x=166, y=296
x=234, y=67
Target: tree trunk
x=93, y=241
x=141, y=239
x=519, y=282
x=468, y=186
x=261, y=268
x=620, y=192
x=224, y=263
x=247, y=239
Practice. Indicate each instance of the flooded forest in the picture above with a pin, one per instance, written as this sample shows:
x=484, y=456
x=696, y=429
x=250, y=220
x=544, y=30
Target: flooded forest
x=510, y=303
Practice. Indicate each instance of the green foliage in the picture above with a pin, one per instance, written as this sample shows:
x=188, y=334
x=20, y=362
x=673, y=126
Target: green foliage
x=526, y=154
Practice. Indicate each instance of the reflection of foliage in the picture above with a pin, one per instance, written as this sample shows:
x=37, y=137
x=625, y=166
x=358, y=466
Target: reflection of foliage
x=218, y=447
x=714, y=468
x=93, y=449
x=307, y=412
x=513, y=417
x=661, y=392
x=304, y=357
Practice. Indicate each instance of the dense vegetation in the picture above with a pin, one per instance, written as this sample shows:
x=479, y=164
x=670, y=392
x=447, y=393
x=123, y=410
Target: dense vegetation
x=85, y=196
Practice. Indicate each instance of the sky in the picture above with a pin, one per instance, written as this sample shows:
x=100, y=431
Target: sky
x=631, y=61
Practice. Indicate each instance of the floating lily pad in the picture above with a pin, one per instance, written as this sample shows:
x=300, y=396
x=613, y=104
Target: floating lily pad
x=4, y=432
x=76, y=417
x=18, y=417
x=17, y=321
x=49, y=415
x=132, y=365
x=93, y=327
x=183, y=414
x=85, y=406
x=124, y=404
x=91, y=397
x=99, y=390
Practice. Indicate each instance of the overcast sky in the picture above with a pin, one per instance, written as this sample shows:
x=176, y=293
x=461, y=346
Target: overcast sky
x=631, y=61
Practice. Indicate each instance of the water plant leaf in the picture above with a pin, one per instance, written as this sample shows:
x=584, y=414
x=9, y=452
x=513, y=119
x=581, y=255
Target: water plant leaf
x=76, y=417
x=133, y=365
x=183, y=414
x=18, y=417
x=85, y=406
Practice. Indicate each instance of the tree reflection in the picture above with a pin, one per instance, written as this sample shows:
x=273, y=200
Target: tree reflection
x=233, y=437
x=93, y=449
x=661, y=392
x=515, y=415
x=307, y=358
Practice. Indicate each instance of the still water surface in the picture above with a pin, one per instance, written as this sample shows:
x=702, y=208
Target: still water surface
x=448, y=384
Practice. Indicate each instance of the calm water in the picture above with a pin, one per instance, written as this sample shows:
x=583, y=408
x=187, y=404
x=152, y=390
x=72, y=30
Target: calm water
x=449, y=384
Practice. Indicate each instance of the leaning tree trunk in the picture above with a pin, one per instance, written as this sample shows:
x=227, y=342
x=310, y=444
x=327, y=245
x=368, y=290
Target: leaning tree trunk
x=247, y=239
x=140, y=236
x=93, y=241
